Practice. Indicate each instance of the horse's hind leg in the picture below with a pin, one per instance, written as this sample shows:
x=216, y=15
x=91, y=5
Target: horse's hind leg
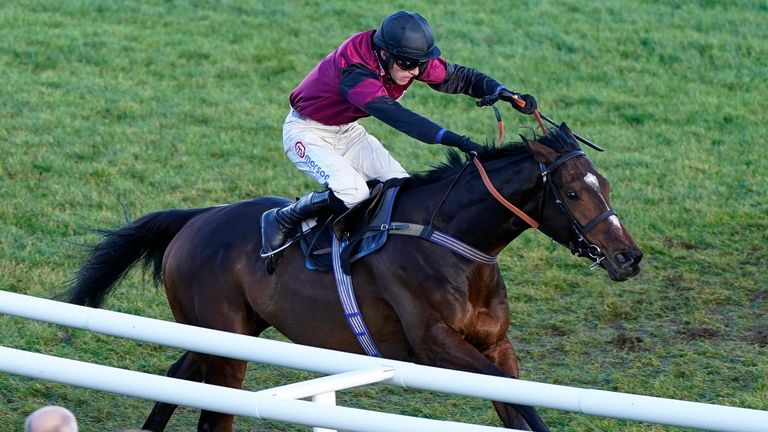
x=218, y=371
x=222, y=372
x=186, y=368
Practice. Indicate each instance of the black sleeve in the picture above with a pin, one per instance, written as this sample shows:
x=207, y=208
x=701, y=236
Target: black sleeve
x=391, y=112
x=404, y=120
x=471, y=82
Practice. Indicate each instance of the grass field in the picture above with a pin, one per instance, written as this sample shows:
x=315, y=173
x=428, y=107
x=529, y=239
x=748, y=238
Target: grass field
x=109, y=110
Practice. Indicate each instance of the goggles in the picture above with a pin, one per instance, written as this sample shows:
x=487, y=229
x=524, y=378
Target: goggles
x=408, y=64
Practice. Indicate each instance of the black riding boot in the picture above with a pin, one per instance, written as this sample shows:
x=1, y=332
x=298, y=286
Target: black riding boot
x=277, y=224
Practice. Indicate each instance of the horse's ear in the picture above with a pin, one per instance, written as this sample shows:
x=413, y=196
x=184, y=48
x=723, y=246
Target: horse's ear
x=541, y=153
x=566, y=131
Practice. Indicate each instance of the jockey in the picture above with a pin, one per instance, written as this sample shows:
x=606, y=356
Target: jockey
x=366, y=76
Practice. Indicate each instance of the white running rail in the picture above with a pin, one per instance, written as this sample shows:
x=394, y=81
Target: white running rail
x=354, y=369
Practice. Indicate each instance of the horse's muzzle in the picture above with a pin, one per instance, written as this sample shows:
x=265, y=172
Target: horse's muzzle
x=623, y=265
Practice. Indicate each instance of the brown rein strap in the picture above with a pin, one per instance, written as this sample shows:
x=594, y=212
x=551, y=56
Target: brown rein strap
x=535, y=114
x=495, y=193
x=499, y=126
x=487, y=181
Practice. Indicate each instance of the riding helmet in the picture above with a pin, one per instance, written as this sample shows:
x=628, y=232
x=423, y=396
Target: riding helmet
x=407, y=34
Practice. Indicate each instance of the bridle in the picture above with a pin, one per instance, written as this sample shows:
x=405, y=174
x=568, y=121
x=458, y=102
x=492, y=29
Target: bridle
x=582, y=247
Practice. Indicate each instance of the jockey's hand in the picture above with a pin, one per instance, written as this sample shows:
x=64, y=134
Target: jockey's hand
x=488, y=100
x=461, y=142
x=467, y=145
x=530, y=102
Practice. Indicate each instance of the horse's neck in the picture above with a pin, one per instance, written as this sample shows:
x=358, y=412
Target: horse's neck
x=471, y=214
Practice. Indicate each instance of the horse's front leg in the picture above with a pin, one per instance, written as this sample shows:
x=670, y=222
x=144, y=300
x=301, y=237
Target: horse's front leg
x=441, y=346
x=503, y=355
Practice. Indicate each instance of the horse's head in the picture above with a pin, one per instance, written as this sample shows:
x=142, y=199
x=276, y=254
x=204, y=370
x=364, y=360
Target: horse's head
x=576, y=209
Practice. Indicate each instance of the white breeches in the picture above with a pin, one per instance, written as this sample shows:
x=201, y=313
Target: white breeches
x=340, y=157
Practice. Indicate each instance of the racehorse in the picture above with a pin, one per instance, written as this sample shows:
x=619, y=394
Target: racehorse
x=422, y=302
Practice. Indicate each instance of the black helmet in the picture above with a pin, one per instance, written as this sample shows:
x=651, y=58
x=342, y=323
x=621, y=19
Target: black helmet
x=407, y=34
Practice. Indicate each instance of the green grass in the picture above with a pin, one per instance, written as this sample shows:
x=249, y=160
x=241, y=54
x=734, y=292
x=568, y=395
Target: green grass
x=114, y=109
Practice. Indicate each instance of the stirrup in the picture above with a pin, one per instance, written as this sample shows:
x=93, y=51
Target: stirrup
x=280, y=249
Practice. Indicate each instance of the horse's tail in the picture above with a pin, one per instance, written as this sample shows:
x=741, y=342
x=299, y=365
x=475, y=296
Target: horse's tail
x=145, y=239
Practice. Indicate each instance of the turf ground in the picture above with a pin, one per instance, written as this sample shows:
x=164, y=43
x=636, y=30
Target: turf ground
x=110, y=110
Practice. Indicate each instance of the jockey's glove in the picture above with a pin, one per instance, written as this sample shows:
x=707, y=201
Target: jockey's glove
x=467, y=145
x=461, y=142
x=509, y=96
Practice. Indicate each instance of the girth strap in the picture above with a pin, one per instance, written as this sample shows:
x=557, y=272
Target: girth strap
x=349, y=303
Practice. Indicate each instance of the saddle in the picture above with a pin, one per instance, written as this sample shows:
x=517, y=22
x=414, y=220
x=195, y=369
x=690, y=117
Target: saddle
x=364, y=227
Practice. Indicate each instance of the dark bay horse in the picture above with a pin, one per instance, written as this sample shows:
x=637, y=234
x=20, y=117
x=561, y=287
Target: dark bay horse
x=422, y=303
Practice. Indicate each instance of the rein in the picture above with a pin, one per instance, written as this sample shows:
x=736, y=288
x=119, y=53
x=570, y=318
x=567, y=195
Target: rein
x=495, y=193
x=499, y=125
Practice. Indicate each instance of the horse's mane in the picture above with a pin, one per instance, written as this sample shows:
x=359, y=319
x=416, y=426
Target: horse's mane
x=513, y=152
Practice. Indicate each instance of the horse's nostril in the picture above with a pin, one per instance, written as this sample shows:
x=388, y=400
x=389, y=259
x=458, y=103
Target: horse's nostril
x=628, y=259
x=624, y=259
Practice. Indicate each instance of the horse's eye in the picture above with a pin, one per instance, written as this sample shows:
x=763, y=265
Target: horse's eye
x=573, y=196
